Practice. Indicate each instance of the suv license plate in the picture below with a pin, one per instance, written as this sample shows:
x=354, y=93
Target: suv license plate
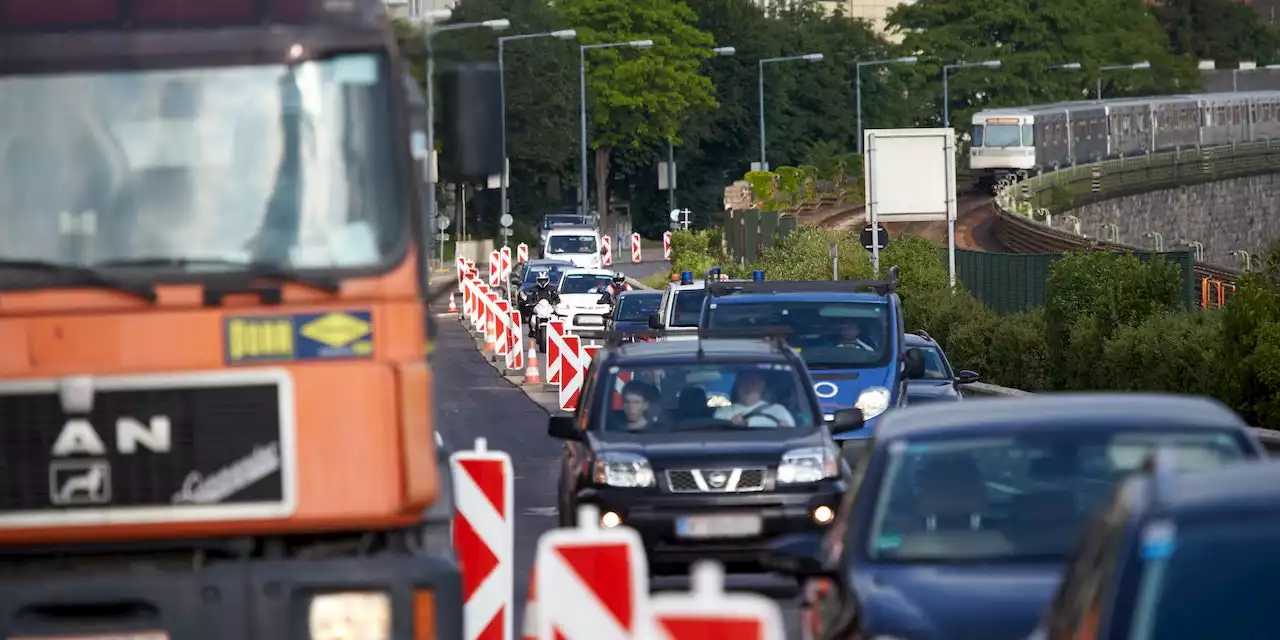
x=735, y=526
x=133, y=635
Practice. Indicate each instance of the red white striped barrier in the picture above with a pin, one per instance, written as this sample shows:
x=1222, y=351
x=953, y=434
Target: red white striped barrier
x=555, y=347
x=515, y=344
x=460, y=271
x=707, y=611
x=522, y=252
x=666, y=246
x=635, y=248
x=491, y=322
x=599, y=578
x=505, y=254
x=495, y=268
x=607, y=258
x=483, y=537
x=502, y=329
x=570, y=372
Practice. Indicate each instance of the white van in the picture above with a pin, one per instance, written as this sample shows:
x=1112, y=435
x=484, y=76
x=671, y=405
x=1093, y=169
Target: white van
x=579, y=245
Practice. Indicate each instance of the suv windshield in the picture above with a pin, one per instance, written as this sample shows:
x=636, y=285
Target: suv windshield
x=1236, y=558
x=562, y=220
x=572, y=244
x=669, y=398
x=636, y=308
x=828, y=335
x=935, y=368
x=688, y=307
x=220, y=166
x=584, y=282
x=1023, y=498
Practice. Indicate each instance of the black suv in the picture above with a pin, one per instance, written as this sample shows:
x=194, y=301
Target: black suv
x=710, y=449
x=936, y=382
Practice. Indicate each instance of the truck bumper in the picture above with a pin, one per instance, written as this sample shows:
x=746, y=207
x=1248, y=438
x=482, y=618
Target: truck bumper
x=242, y=600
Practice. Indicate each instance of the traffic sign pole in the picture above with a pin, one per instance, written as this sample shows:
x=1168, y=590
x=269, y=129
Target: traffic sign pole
x=442, y=223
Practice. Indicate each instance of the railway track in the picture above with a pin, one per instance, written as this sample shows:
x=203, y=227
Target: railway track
x=975, y=228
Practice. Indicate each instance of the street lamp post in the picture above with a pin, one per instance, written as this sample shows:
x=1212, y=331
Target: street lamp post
x=563, y=34
x=671, y=151
x=946, y=90
x=857, y=75
x=429, y=31
x=1070, y=66
x=582, y=112
x=810, y=57
x=1119, y=67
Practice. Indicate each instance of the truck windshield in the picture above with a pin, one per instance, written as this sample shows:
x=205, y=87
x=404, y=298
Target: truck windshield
x=214, y=166
x=571, y=244
x=828, y=335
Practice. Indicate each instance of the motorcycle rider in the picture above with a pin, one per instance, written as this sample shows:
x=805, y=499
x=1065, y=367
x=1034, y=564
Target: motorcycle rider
x=531, y=297
x=615, y=288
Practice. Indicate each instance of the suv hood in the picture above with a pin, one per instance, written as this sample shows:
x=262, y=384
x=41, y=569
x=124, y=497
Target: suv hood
x=840, y=388
x=665, y=450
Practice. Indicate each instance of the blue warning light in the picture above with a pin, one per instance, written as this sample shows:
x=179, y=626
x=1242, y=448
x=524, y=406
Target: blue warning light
x=686, y=277
x=713, y=272
x=758, y=275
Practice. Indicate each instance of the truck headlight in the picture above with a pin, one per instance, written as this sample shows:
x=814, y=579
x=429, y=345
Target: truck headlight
x=809, y=464
x=626, y=470
x=340, y=616
x=873, y=402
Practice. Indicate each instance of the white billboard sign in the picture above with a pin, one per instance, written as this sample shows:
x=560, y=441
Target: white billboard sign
x=911, y=174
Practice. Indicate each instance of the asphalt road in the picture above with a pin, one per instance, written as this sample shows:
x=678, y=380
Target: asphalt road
x=475, y=401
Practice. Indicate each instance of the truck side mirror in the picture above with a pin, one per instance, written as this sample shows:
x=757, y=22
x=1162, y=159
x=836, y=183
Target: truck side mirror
x=655, y=321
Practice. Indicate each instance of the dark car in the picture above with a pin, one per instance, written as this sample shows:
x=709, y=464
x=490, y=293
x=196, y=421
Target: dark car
x=708, y=451
x=1191, y=555
x=960, y=524
x=527, y=275
x=632, y=311
x=937, y=382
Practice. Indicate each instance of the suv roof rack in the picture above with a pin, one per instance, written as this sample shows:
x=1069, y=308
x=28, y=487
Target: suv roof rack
x=775, y=334
x=880, y=287
x=924, y=334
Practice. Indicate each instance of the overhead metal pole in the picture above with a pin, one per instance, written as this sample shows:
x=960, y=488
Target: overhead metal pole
x=810, y=57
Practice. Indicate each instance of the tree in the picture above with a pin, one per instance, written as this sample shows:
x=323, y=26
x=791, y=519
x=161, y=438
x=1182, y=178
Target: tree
x=1220, y=30
x=1029, y=36
x=639, y=97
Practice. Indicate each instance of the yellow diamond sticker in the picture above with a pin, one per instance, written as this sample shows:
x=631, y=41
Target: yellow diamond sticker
x=336, y=330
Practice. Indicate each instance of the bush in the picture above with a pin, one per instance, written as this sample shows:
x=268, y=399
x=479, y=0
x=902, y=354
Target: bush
x=805, y=254
x=1176, y=352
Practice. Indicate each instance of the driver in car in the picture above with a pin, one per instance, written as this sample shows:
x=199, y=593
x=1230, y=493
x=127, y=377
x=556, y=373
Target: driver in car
x=851, y=338
x=750, y=408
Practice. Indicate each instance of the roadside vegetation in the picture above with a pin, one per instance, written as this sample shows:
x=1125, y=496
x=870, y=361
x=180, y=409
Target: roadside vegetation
x=1111, y=321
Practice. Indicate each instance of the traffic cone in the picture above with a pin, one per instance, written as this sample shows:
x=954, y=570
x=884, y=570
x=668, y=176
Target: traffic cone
x=529, y=626
x=531, y=373
x=453, y=305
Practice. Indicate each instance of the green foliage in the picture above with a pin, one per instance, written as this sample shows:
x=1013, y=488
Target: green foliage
x=764, y=188
x=805, y=255
x=1224, y=31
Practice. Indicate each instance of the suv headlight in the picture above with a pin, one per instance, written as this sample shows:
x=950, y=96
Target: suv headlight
x=809, y=464
x=338, y=616
x=626, y=470
x=873, y=402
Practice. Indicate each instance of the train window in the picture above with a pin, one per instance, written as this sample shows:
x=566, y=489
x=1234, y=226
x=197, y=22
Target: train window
x=1028, y=135
x=1235, y=114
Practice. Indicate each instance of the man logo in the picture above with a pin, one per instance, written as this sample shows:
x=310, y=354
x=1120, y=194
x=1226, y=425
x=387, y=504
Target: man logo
x=717, y=479
x=79, y=437
x=826, y=390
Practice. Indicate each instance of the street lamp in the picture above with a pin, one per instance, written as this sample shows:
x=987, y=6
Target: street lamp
x=808, y=57
x=858, y=85
x=1120, y=67
x=562, y=34
x=1074, y=66
x=429, y=32
x=671, y=151
x=946, y=91
x=582, y=110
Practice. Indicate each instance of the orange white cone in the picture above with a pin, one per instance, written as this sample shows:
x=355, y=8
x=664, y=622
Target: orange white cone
x=453, y=304
x=531, y=373
x=529, y=625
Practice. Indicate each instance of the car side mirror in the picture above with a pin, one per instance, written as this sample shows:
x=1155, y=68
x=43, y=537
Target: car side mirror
x=966, y=376
x=798, y=554
x=562, y=427
x=846, y=420
x=655, y=321
x=605, y=299
x=915, y=364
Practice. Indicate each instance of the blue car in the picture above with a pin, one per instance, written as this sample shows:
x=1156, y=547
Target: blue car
x=964, y=514
x=849, y=334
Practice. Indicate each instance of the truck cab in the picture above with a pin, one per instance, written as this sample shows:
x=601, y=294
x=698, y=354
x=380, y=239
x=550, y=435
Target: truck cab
x=849, y=334
x=681, y=306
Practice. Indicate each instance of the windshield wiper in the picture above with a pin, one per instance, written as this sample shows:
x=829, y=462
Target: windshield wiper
x=255, y=269
x=83, y=275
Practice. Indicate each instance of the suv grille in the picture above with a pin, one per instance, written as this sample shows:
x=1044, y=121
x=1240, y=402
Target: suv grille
x=716, y=480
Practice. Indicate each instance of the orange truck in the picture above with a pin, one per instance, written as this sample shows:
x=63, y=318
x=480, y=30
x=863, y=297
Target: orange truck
x=215, y=404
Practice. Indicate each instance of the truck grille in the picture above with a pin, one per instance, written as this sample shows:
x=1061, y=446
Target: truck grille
x=716, y=480
x=146, y=449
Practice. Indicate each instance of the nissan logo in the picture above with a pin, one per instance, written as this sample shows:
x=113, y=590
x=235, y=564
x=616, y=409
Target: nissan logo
x=826, y=390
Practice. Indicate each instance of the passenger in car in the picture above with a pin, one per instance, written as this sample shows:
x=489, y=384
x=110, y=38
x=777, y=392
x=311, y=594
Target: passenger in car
x=637, y=403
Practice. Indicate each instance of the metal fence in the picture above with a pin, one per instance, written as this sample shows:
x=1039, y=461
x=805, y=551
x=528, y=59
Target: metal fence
x=747, y=233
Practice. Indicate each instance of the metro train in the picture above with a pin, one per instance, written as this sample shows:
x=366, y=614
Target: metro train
x=1050, y=136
